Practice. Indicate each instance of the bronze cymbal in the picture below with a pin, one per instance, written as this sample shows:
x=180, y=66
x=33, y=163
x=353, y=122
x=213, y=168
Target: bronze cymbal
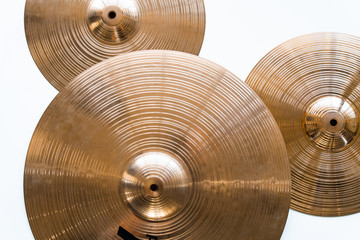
x=311, y=86
x=160, y=143
x=67, y=37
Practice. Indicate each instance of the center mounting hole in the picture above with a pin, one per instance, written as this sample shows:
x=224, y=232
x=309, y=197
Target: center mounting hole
x=154, y=187
x=333, y=122
x=112, y=14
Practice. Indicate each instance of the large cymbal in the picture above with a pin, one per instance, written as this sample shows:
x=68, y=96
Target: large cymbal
x=160, y=143
x=67, y=37
x=311, y=86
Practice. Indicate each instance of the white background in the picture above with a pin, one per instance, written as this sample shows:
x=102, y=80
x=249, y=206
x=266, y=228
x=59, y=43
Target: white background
x=239, y=33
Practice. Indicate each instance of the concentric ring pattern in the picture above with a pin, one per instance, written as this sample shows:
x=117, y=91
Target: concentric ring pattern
x=161, y=143
x=67, y=37
x=311, y=86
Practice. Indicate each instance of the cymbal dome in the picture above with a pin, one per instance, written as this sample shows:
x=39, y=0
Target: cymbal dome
x=156, y=186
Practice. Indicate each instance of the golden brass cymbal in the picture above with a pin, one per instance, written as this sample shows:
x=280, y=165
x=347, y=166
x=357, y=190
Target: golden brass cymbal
x=67, y=37
x=160, y=143
x=311, y=86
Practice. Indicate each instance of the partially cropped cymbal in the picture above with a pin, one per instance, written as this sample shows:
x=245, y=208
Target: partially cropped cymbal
x=311, y=86
x=160, y=143
x=67, y=37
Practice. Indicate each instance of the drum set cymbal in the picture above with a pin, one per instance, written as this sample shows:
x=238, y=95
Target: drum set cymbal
x=311, y=86
x=67, y=37
x=158, y=143
x=146, y=140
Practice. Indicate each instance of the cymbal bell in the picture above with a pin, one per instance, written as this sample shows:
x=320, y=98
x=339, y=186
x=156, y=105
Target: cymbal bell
x=67, y=37
x=158, y=143
x=311, y=86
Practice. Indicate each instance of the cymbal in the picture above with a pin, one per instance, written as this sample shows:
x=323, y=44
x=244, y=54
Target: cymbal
x=158, y=143
x=311, y=86
x=67, y=37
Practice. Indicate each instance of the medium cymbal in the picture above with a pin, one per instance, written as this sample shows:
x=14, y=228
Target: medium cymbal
x=311, y=86
x=67, y=37
x=158, y=143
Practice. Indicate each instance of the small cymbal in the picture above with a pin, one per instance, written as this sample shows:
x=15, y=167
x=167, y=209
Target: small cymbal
x=67, y=37
x=159, y=143
x=311, y=86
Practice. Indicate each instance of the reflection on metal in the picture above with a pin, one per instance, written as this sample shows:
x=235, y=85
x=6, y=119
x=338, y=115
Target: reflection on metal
x=156, y=186
x=162, y=143
x=331, y=123
x=311, y=86
x=67, y=37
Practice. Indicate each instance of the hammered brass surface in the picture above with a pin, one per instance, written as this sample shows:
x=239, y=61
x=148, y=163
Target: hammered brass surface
x=311, y=86
x=67, y=37
x=161, y=143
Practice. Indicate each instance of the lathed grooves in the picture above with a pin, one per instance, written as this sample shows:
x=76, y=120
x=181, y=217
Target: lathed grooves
x=311, y=86
x=224, y=172
x=67, y=37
